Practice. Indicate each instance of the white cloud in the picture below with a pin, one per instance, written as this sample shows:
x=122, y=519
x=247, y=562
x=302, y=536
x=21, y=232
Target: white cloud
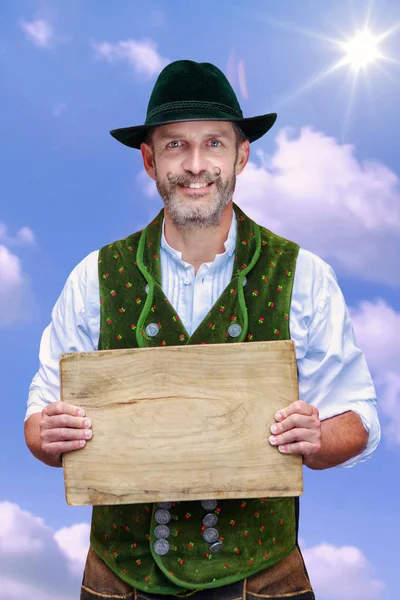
x=147, y=184
x=36, y=561
x=341, y=572
x=314, y=191
x=377, y=329
x=242, y=79
x=17, y=303
x=24, y=236
x=74, y=543
x=142, y=56
x=235, y=73
x=39, y=31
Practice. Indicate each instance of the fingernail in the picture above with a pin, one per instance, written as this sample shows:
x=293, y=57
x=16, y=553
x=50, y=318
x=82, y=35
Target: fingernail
x=281, y=448
x=81, y=413
x=87, y=423
x=274, y=429
x=272, y=439
x=278, y=416
x=82, y=442
x=88, y=434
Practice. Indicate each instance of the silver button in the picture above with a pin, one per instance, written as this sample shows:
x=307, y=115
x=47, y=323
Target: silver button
x=187, y=281
x=209, y=504
x=234, y=330
x=217, y=547
x=210, y=520
x=166, y=505
x=210, y=535
x=244, y=281
x=161, y=547
x=146, y=289
x=162, y=532
x=162, y=516
x=152, y=329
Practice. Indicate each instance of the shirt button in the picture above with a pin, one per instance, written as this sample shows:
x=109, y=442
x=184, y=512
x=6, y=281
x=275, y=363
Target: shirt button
x=187, y=281
x=152, y=329
x=235, y=330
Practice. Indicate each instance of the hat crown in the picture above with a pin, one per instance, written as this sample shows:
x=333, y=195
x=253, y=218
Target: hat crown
x=186, y=84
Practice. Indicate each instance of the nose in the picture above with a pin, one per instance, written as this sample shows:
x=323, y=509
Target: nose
x=195, y=161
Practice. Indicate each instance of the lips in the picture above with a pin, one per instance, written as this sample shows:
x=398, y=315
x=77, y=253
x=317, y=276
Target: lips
x=201, y=190
x=196, y=188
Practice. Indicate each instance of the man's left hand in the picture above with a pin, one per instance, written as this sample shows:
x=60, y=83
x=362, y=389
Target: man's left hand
x=297, y=430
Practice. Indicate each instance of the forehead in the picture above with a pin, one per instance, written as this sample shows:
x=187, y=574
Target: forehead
x=195, y=129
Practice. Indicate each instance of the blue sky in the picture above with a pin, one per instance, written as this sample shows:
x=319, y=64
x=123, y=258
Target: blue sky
x=326, y=176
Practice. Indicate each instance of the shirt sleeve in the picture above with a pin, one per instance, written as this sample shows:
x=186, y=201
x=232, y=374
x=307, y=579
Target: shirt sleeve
x=332, y=370
x=73, y=328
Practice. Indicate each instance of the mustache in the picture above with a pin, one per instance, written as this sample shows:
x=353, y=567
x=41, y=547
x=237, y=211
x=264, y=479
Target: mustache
x=185, y=181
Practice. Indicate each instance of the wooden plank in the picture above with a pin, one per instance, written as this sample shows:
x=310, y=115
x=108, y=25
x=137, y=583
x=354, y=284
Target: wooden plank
x=180, y=423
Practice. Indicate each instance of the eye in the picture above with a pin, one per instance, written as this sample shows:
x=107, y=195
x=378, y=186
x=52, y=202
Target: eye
x=174, y=142
x=215, y=142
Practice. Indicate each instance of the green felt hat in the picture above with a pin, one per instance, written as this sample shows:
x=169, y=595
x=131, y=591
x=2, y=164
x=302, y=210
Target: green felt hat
x=190, y=91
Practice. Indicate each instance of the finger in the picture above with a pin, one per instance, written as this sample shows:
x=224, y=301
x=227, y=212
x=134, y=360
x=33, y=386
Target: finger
x=64, y=420
x=295, y=435
x=299, y=407
x=304, y=448
x=66, y=434
x=58, y=408
x=295, y=421
x=57, y=448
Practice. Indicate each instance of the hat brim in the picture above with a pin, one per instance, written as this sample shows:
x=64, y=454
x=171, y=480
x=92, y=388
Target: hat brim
x=253, y=128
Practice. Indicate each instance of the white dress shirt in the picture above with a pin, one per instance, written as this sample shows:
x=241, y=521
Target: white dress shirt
x=332, y=371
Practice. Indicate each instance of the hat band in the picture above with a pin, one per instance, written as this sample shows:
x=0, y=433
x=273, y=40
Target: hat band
x=217, y=106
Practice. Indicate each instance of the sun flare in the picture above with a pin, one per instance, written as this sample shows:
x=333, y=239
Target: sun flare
x=361, y=50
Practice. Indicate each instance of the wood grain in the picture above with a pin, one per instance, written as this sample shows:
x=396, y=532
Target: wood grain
x=180, y=423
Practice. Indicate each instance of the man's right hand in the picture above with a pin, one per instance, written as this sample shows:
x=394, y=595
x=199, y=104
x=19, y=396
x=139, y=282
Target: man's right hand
x=63, y=427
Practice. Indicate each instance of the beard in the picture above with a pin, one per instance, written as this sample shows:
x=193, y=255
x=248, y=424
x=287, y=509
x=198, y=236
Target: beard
x=185, y=212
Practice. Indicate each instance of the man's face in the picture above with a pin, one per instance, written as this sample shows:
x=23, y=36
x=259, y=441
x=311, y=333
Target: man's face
x=195, y=153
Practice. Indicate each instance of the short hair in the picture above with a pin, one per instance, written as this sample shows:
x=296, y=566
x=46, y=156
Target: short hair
x=239, y=133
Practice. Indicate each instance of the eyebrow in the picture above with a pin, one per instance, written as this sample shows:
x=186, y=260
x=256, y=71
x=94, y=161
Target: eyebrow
x=173, y=134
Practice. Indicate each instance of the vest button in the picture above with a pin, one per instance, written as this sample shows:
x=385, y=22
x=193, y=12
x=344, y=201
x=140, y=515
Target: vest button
x=209, y=504
x=161, y=547
x=152, y=329
x=166, y=505
x=210, y=535
x=162, y=516
x=161, y=532
x=234, y=330
x=210, y=520
x=216, y=547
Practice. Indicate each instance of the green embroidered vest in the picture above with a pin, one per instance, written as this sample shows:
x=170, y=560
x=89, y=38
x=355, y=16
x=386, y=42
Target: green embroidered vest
x=252, y=533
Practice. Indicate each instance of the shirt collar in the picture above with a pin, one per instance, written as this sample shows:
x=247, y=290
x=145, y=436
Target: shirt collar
x=229, y=244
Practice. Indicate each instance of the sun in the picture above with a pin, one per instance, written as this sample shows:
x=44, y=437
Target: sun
x=361, y=50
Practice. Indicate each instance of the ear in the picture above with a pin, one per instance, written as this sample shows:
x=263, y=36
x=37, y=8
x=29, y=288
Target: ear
x=148, y=159
x=243, y=156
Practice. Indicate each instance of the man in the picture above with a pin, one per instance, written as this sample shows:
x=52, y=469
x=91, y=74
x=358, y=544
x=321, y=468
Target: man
x=203, y=272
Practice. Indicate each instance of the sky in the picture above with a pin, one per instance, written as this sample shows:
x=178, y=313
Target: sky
x=326, y=176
